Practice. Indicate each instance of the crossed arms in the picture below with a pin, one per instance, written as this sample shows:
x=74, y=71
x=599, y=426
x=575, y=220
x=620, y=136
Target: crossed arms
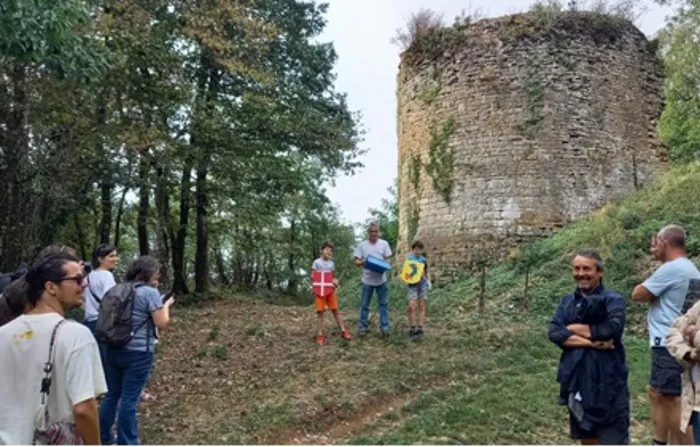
x=599, y=336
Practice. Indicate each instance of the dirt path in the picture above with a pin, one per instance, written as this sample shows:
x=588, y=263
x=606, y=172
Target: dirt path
x=336, y=427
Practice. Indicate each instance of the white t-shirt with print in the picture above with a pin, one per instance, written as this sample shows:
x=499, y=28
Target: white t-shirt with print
x=24, y=349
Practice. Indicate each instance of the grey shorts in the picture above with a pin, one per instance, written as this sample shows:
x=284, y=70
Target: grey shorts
x=666, y=372
x=419, y=291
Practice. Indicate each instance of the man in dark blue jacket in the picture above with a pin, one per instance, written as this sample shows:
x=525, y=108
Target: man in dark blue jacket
x=588, y=326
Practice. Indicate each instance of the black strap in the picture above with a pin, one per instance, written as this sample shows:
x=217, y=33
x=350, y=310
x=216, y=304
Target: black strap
x=92, y=292
x=48, y=366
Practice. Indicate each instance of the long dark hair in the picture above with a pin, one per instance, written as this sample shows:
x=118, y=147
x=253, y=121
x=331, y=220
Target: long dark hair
x=101, y=251
x=143, y=269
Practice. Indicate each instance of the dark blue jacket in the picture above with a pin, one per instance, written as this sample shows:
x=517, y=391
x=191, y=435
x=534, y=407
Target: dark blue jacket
x=599, y=376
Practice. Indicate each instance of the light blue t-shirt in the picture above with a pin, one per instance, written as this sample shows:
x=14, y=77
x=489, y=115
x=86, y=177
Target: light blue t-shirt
x=146, y=301
x=322, y=265
x=669, y=284
x=99, y=282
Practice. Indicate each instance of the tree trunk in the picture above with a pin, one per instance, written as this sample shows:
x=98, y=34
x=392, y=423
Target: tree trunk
x=106, y=203
x=178, y=244
x=221, y=267
x=81, y=237
x=13, y=243
x=120, y=214
x=106, y=184
x=291, y=261
x=162, y=199
x=201, y=265
x=256, y=272
x=144, y=205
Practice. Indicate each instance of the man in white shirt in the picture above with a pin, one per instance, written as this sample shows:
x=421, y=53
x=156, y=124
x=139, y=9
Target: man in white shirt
x=55, y=286
x=373, y=281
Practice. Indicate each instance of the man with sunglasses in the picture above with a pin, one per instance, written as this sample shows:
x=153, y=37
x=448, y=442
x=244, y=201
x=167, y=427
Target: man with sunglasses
x=54, y=285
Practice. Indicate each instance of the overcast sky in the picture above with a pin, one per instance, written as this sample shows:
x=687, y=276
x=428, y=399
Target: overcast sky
x=366, y=70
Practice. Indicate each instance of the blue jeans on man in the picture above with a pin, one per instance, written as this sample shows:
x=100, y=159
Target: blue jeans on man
x=126, y=372
x=383, y=304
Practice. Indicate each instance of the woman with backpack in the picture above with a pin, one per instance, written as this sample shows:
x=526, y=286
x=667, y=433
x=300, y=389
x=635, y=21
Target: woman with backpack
x=128, y=362
x=99, y=281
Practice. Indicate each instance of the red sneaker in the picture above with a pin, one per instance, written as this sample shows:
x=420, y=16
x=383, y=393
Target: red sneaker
x=320, y=339
x=346, y=335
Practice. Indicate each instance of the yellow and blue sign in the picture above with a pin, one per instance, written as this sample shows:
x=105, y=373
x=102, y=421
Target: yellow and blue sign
x=412, y=271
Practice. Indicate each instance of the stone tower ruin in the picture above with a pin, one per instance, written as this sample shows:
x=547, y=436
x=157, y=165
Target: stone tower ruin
x=509, y=128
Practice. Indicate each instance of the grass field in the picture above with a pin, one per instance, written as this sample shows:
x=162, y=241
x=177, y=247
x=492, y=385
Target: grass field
x=247, y=370
x=237, y=371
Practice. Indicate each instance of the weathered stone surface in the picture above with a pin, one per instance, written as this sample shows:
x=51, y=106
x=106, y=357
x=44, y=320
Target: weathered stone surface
x=548, y=126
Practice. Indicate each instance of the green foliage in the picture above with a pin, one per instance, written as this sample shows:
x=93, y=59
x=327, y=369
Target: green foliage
x=621, y=234
x=440, y=164
x=414, y=169
x=603, y=21
x=220, y=117
x=413, y=222
x=214, y=333
x=387, y=217
x=427, y=37
x=535, y=98
x=220, y=352
x=430, y=92
x=680, y=123
x=52, y=35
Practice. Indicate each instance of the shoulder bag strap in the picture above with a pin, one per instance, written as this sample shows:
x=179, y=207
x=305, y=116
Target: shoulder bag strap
x=48, y=366
x=92, y=291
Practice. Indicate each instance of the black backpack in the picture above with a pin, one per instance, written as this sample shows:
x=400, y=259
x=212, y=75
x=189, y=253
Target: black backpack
x=7, y=278
x=692, y=296
x=114, y=321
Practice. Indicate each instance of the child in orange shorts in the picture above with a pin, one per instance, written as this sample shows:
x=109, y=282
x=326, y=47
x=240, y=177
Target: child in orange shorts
x=324, y=264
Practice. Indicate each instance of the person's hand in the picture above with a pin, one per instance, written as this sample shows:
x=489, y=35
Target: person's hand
x=604, y=345
x=170, y=301
x=430, y=284
x=336, y=283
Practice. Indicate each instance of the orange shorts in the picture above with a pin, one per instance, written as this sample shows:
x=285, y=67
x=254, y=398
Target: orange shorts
x=330, y=300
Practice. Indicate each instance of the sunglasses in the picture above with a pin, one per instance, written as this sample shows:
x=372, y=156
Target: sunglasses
x=79, y=279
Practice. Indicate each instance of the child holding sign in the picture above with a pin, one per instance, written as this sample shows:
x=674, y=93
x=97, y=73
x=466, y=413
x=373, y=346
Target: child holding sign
x=324, y=286
x=415, y=274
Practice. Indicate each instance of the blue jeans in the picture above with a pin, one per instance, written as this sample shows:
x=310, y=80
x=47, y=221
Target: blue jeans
x=383, y=301
x=695, y=422
x=126, y=373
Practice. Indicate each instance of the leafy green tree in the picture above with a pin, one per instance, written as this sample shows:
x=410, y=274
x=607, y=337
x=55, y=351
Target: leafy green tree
x=680, y=46
x=387, y=217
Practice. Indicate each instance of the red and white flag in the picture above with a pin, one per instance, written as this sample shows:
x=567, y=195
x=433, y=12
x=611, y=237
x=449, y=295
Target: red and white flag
x=322, y=283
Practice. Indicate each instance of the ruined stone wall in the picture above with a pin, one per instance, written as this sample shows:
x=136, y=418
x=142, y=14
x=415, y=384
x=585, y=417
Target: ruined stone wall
x=510, y=128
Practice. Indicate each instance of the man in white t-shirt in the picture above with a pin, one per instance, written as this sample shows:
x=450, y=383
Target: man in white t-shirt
x=373, y=281
x=55, y=286
x=665, y=290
